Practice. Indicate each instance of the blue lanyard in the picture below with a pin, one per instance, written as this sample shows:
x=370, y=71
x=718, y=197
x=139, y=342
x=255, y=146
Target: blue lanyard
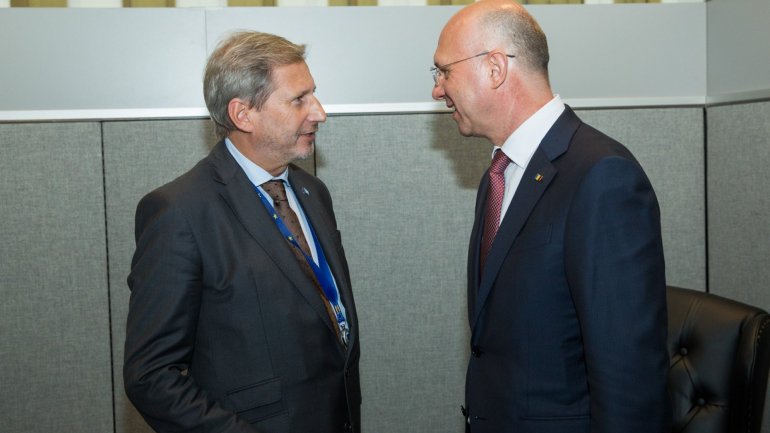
x=321, y=270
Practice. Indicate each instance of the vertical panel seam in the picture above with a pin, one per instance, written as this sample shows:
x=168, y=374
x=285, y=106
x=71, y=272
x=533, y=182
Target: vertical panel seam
x=706, y=196
x=109, y=289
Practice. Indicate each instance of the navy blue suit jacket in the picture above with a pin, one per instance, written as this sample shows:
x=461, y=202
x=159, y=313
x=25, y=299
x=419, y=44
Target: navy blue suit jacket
x=568, y=320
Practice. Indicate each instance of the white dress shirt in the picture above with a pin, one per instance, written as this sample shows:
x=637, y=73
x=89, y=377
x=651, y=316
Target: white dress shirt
x=522, y=144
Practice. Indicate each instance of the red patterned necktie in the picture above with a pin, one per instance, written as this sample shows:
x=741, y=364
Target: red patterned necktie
x=494, y=204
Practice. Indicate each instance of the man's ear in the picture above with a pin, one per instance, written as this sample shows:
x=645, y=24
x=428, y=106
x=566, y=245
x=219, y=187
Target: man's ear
x=498, y=63
x=240, y=114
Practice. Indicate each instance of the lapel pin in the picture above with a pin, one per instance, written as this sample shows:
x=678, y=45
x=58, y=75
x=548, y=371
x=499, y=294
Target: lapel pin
x=539, y=177
x=305, y=191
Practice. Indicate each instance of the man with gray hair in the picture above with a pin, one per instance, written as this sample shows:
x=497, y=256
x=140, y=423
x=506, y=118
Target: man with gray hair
x=566, y=277
x=241, y=316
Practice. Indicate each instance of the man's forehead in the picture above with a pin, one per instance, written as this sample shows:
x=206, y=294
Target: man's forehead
x=291, y=69
x=295, y=74
x=454, y=44
x=447, y=43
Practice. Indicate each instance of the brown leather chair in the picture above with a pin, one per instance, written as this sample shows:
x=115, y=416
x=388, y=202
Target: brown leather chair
x=720, y=355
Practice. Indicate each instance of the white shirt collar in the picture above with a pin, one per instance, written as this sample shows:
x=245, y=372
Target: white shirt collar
x=521, y=145
x=256, y=174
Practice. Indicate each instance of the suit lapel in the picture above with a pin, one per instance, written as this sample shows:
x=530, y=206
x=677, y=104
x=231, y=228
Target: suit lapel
x=524, y=200
x=537, y=177
x=239, y=194
x=325, y=230
x=474, y=250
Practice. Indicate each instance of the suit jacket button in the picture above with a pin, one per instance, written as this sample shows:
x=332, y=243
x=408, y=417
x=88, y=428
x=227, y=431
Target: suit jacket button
x=347, y=426
x=476, y=351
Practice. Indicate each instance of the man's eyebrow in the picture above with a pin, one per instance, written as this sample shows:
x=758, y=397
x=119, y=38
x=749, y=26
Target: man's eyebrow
x=306, y=91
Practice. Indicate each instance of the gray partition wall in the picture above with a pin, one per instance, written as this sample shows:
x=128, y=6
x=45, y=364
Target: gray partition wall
x=55, y=356
x=739, y=201
x=404, y=202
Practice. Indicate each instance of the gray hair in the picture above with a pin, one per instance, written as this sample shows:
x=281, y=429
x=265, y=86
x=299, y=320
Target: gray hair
x=241, y=67
x=519, y=32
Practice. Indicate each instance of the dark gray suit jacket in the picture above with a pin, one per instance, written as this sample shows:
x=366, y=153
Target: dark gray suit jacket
x=568, y=321
x=225, y=332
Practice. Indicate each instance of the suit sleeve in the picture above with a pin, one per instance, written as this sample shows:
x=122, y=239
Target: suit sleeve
x=616, y=272
x=165, y=283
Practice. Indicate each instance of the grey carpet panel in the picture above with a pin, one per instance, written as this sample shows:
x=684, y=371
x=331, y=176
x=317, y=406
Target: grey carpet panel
x=404, y=188
x=54, y=343
x=739, y=202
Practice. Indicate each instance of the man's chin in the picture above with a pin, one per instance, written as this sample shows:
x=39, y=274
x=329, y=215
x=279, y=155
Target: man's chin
x=465, y=133
x=464, y=130
x=306, y=151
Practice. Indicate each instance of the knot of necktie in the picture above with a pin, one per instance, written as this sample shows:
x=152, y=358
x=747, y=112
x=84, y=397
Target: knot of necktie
x=499, y=162
x=275, y=189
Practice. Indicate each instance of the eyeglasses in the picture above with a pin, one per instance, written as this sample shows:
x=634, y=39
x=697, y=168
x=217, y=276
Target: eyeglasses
x=440, y=71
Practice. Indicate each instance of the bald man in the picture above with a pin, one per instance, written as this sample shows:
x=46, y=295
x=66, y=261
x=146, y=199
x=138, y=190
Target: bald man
x=566, y=277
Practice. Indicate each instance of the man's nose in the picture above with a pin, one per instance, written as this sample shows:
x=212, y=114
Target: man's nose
x=317, y=112
x=438, y=91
